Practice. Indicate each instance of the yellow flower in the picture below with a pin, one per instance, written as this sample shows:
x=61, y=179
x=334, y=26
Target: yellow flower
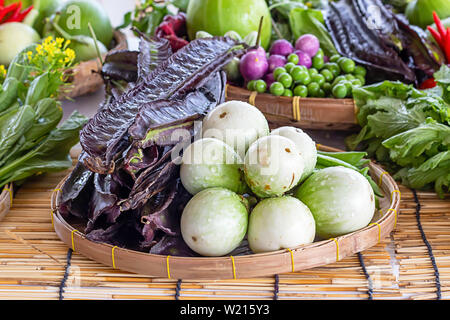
x=48, y=40
x=2, y=71
x=30, y=55
x=39, y=49
x=70, y=55
x=59, y=42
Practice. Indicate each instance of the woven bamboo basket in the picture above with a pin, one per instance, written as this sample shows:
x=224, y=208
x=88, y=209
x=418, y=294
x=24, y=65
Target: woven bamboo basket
x=306, y=113
x=241, y=266
x=6, y=200
x=86, y=77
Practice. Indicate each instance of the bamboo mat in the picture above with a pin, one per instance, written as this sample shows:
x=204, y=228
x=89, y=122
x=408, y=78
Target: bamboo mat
x=35, y=264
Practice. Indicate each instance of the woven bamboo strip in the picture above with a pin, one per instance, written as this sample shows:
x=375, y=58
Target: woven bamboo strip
x=31, y=275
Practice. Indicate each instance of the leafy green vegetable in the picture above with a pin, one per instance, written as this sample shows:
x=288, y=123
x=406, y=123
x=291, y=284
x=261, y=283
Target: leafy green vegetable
x=52, y=154
x=48, y=113
x=356, y=159
x=148, y=14
x=30, y=143
x=13, y=125
x=407, y=130
x=442, y=77
x=303, y=21
x=284, y=7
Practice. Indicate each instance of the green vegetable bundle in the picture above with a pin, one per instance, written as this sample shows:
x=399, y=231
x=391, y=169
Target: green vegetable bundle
x=30, y=142
x=408, y=130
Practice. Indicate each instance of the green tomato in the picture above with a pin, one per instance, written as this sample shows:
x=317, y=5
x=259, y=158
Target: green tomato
x=317, y=62
x=218, y=17
x=295, y=72
x=356, y=82
x=277, y=89
x=301, y=91
x=76, y=16
x=285, y=79
x=289, y=66
x=293, y=58
x=347, y=65
x=349, y=76
x=327, y=74
x=340, y=199
x=348, y=84
x=312, y=71
x=287, y=93
x=327, y=88
x=340, y=91
x=278, y=71
x=333, y=67
x=319, y=79
x=260, y=86
x=321, y=93
x=320, y=53
x=303, y=78
x=334, y=58
x=232, y=70
x=251, y=85
x=214, y=222
x=209, y=163
x=360, y=70
x=313, y=89
x=338, y=79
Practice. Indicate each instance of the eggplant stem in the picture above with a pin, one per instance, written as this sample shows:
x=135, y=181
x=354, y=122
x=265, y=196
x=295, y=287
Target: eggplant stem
x=258, y=37
x=99, y=55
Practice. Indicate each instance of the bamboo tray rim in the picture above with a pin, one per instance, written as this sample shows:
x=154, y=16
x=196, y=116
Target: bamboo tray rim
x=375, y=231
x=306, y=113
x=344, y=101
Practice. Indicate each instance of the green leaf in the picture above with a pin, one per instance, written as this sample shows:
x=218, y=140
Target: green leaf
x=435, y=169
x=442, y=77
x=12, y=126
x=284, y=7
x=354, y=158
x=303, y=21
x=127, y=20
x=181, y=4
x=48, y=113
x=52, y=154
x=408, y=148
x=44, y=86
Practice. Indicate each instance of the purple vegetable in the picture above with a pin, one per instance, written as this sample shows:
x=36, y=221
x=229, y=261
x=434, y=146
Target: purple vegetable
x=269, y=79
x=276, y=61
x=308, y=43
x=304, y=59
x=253, y=66
x=260, y=51
x=326, y=59
x=104, y=137
x=281, y=47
